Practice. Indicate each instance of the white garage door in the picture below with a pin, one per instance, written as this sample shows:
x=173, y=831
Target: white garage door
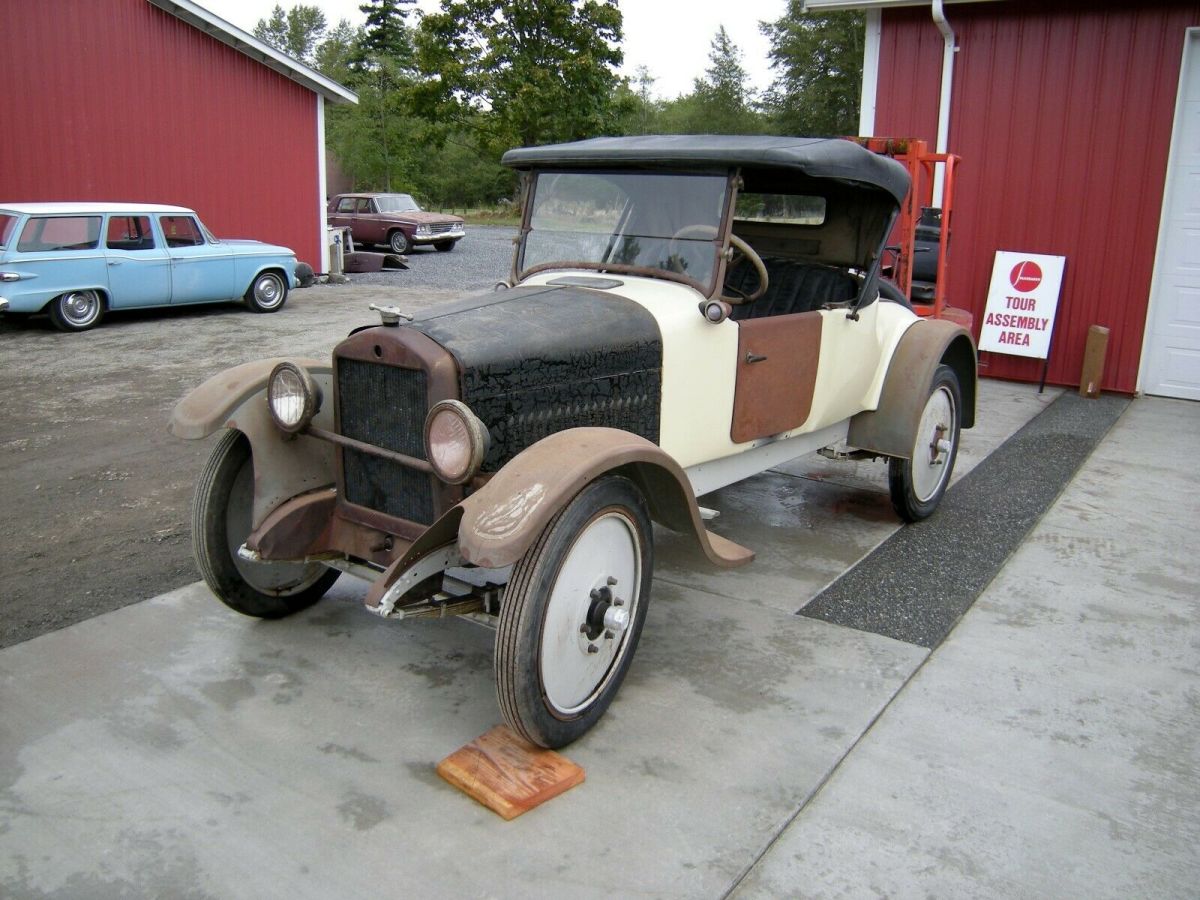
x=1171, y=354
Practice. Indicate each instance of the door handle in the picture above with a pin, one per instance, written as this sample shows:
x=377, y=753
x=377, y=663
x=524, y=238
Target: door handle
x=115, y=262
x=753, y=358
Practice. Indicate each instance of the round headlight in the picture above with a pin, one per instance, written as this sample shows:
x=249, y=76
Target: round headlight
x=292, y=396
x=455, y=441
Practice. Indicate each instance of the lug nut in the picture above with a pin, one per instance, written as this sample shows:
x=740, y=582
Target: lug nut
x=592, y=648
x=611, y=581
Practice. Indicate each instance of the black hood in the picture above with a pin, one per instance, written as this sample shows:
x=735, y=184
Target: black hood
x=537, y=360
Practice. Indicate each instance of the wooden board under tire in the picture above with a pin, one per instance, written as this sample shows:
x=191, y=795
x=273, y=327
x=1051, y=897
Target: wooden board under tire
x=508, y=775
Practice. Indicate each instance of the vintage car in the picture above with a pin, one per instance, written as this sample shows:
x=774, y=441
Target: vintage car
x=682, y=313
x=75, y=261
x=395, y=221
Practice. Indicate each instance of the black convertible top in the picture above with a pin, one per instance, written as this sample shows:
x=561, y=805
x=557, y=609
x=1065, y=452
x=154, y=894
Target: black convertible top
x=816, y=157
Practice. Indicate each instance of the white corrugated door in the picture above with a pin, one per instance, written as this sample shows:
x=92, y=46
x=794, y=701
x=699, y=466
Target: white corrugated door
x=1171, y=353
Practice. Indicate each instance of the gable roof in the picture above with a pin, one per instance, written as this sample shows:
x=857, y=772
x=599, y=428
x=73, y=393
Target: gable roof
x=199, y=17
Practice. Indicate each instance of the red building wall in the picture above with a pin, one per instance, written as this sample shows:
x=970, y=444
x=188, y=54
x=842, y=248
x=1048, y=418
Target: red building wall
x=119, y=100
x=1062, y=114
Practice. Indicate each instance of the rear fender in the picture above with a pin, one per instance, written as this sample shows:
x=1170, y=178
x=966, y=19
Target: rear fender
x=501, y=520
x=284, y=466
x=890, y=428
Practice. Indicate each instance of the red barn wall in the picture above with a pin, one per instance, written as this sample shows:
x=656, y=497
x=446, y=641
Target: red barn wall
x=119, y=100
x=1062, y=114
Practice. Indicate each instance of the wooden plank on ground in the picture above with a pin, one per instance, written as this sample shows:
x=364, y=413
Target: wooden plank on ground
x=507, y=774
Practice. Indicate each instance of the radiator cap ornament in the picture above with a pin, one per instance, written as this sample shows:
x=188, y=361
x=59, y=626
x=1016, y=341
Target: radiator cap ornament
x=391, y=315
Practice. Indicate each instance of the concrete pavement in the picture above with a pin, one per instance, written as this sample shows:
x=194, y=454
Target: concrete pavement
x=1048, y=747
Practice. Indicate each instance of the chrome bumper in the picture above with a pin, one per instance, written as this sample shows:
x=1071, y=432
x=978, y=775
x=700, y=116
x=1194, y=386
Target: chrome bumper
x=437, y=238
x=3, y=305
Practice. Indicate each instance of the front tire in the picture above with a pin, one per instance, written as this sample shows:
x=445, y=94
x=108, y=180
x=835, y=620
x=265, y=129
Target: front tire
x=221, y=515
x=399, y=242
x=267, y=292
x=77, y=310
x=573, y=612
x=917, y=484
x=444, y=246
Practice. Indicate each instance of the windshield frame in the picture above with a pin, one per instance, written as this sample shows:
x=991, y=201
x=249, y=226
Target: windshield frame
x=707, y=288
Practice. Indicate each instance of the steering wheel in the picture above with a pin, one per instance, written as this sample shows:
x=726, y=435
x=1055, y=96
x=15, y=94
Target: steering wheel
x=744, y=253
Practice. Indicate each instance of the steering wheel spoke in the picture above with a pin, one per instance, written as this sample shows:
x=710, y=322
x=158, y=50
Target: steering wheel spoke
x=742, y=252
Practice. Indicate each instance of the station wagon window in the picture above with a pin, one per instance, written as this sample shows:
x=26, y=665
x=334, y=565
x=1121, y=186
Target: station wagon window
x=346, y=205
x=181, y=231
x=364, y=205
x=626, y=221
x=60, y=233
x=129, y=233
x=7, y=224
x=785, y=209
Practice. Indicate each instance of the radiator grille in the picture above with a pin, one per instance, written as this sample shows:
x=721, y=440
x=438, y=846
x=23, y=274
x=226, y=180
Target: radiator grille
x=385, y=406
x=443, y=229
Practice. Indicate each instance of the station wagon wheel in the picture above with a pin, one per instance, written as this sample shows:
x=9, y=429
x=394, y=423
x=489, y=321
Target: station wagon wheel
x=399, y=242
x=444, y=246
x=76, y=310
x=573, y=612
x=917, y=484
x=267, y=292
x=221, y=515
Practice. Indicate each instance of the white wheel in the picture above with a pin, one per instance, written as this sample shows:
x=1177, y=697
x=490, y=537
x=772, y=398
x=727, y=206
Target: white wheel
x=573, y=613
x=917, y=484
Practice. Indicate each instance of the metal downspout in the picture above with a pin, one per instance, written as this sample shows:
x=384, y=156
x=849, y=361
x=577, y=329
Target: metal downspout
x=943, y=135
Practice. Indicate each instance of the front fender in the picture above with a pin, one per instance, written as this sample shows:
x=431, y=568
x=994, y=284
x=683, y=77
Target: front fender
x=890, y=428
x=501, y=520
x=237, y=398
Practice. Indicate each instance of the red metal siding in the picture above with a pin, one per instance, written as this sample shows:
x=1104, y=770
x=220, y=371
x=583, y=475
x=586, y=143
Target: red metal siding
x=1062, y=113
x=118, y=100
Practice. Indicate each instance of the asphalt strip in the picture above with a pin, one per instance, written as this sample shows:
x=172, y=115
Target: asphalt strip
x=916, y=585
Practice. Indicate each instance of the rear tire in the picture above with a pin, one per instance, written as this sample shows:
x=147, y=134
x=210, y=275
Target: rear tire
x=917, y=484
x=561, y=653
x=77, y=310
x=221, y=515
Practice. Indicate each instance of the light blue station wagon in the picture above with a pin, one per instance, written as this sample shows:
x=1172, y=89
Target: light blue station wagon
x=75, y=261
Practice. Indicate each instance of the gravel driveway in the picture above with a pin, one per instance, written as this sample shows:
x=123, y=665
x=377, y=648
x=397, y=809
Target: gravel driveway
x=95, y=492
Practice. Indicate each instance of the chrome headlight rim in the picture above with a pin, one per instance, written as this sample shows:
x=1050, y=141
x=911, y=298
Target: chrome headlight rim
x=477, y=435
x=293, y=397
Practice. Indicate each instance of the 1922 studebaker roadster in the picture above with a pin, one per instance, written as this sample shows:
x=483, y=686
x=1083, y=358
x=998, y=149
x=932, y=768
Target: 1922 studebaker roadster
x=682, y=313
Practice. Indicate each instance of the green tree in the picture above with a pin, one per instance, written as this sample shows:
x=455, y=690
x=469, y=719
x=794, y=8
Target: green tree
x=521, y=72
x=335, y=54
x=295, y=32
x=817, y=58
x=721, y=102
x=723, y=96
x=386, y=34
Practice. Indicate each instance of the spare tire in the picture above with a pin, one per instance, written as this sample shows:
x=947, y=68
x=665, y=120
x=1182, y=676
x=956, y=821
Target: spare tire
x=305, y=277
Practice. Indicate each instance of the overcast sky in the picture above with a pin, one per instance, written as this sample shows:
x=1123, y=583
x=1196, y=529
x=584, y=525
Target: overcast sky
x=672, y=38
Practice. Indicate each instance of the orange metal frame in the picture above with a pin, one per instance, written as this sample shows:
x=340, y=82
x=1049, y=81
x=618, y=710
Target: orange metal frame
x=915, y=156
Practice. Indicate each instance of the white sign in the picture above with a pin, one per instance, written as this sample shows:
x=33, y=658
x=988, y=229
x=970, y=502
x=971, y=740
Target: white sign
x=1021, y=302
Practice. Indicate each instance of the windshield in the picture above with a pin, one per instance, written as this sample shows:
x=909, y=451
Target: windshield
x=7, y=223
x=397, y=203
x=626, y=221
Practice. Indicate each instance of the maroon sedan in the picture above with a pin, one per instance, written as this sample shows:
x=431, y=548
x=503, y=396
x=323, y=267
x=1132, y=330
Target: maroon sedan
x=395, y=220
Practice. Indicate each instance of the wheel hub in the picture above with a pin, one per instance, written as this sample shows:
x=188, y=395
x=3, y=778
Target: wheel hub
x=606, y=615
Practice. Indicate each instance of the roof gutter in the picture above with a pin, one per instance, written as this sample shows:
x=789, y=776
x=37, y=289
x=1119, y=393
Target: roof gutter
x=943, y=135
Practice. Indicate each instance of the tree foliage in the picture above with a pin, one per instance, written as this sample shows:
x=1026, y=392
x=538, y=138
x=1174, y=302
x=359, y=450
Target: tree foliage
x=442, y=98
x=295, y=32
x=520, y=72
x=817, y=58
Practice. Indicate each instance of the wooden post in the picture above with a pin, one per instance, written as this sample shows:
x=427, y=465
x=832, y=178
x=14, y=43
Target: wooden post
x=1093, y=362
